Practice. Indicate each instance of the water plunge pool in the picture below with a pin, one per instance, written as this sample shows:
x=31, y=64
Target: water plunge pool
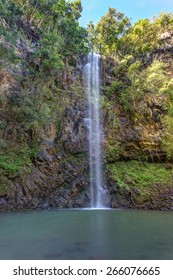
x=86, y=234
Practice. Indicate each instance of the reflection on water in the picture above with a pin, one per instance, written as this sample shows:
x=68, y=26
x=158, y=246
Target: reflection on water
x=87, y=234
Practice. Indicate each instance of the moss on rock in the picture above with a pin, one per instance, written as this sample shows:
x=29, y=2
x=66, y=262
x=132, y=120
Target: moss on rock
x=147, y=184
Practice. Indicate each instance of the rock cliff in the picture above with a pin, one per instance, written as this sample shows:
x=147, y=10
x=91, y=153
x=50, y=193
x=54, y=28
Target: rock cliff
x=56, y=174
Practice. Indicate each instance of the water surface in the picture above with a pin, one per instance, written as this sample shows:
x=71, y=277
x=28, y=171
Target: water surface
x=86, y=234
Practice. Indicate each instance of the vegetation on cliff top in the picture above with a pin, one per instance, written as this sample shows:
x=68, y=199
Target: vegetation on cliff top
x=114, y=35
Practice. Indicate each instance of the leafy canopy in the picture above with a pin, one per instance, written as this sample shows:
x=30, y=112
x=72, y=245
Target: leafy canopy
x=105, y=35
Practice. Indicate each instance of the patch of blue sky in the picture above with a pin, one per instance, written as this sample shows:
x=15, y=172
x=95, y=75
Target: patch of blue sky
x=134, y=9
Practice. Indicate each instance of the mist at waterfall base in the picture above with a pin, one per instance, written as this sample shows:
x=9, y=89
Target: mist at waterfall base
x=79, y=234
x=99, y=197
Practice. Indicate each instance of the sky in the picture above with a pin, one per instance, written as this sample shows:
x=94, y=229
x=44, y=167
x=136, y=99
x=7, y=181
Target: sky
x=134, y=9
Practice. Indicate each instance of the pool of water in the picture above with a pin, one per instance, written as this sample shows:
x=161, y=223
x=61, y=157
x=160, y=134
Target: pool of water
x=86, y=234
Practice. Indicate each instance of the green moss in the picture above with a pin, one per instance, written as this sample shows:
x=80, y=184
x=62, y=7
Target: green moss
x=142, y=181
x=20, y=158
x=143, y=176
x=9, y=164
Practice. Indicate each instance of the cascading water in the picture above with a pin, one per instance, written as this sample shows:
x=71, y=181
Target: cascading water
x=92, y=84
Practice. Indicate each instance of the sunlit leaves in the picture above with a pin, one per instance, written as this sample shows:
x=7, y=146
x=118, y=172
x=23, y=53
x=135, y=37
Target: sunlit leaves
x=145, y=35
x=106, y=33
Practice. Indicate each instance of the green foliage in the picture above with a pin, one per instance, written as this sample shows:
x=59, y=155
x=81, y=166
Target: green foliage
x=75, y=38
x=105, y=35
x=92, y=36
x=145, y=35
x=133, y=83
x=35, y=106
x=140, y=38
x=156, y=81
x=143, y=176
x=113, y=150
x=113, y=35
x=142, y=182
x=17, y=159
x=9, y=165
x=129, y=87
x=9, y=14
x=52, y=25
x=57, y=21
x=49, y=53
x=115, y=87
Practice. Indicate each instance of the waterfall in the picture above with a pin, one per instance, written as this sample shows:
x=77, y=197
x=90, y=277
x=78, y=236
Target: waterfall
x=92, y=85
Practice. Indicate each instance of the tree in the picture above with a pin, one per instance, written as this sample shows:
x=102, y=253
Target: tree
x=60, y=17
x=92, y=38
x=146, y=35
x=108, y=31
